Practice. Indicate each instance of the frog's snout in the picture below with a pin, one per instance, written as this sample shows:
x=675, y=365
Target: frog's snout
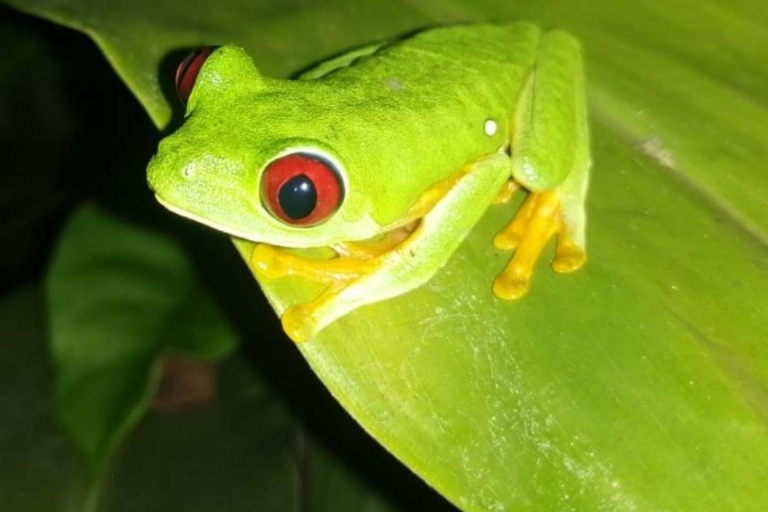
x=150, y=173
x=162, y=176
x=155, y=172
x=166, y=169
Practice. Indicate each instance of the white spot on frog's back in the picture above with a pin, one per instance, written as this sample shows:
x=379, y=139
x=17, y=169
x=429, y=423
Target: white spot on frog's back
x=490, y=127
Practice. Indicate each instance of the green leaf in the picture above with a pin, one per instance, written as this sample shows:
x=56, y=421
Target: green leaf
x=237, y=454
x=120, y=297
x=638, y=383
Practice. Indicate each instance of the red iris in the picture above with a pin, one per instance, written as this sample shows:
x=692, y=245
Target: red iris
x=301, y=189
x=187, y=70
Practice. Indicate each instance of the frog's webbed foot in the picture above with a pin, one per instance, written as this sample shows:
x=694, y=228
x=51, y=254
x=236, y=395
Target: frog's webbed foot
x=539, y=219
x=300, y=321
x=353, y=260
x=349, y=264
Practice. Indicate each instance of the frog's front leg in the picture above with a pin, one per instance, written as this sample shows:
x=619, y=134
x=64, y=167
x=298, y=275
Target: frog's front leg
x=273, y=262
x=411, y=262
x=352, y=259
x=550, y=158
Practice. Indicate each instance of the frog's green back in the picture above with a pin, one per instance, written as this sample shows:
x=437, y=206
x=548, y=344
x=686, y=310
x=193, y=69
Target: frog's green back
x=393, y=122
x=414, y=112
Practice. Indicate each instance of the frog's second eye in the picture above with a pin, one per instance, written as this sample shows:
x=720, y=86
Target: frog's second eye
x=187, y=70
x=301, y=189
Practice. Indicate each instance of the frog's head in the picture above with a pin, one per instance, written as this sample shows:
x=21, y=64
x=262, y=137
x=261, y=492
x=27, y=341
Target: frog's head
x=250, y=162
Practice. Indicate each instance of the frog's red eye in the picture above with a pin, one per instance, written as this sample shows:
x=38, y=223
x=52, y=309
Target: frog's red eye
x=301, y=189
x=187, y=70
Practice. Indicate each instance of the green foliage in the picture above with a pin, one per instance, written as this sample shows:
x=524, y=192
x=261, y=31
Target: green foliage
x=120, y=297
x=237, y=454
x=638, y=383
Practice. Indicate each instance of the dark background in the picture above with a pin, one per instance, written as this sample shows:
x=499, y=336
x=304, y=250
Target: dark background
x=71, y=131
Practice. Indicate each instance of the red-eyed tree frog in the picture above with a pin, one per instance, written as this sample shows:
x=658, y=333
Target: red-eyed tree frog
x=389, y=155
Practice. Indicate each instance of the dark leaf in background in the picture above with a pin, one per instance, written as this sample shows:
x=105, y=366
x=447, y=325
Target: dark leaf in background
x=121, y=297
x=237, y=454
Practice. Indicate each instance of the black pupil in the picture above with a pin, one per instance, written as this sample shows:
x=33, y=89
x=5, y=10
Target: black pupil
x=297, y=197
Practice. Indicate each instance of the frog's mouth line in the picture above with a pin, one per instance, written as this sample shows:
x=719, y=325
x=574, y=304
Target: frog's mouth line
x=201, y=220
x=393, y=232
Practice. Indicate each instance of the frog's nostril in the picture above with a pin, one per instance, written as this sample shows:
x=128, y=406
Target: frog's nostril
x=188, y=172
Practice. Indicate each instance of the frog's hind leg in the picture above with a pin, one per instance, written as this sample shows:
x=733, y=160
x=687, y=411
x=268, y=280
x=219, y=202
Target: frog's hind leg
x=550, y=158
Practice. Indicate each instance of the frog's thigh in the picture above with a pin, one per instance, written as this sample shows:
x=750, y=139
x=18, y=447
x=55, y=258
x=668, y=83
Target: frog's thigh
x=550, y=157
x=414, y=261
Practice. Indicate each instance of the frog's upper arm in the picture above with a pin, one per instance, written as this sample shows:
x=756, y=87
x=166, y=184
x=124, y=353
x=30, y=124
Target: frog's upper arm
x=339, y=62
